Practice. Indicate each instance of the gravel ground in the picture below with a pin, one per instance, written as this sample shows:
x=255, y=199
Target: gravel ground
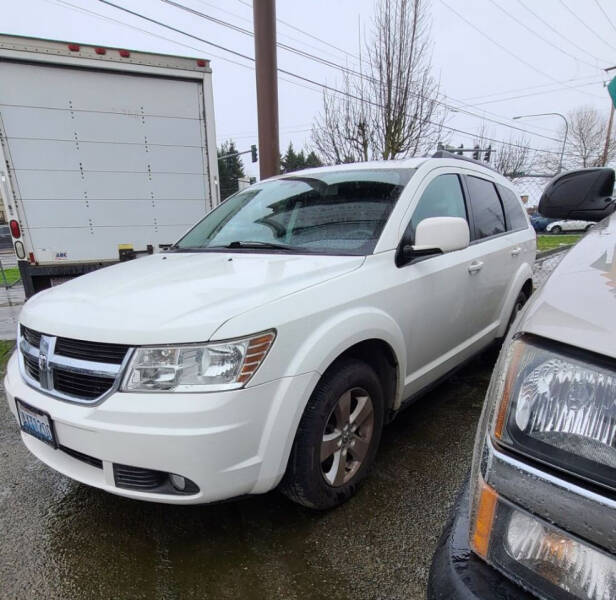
x=63, y=540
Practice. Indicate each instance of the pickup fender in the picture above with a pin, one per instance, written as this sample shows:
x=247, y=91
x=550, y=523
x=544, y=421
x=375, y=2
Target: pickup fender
x=523, y=274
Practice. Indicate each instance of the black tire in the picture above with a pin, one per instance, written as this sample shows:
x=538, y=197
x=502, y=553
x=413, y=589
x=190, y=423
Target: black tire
x=588, y=227
x=556, y=229
x=304, y=481
x=520, y=301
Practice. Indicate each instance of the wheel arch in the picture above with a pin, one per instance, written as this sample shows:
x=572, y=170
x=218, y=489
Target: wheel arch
x=522, y=281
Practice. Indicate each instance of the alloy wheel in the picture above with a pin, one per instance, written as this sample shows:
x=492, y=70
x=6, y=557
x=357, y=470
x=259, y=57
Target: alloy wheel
x=347, y=436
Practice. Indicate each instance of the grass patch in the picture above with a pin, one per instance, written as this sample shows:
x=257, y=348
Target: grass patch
x=547, y=242
x=6, y=348
x=12, y=275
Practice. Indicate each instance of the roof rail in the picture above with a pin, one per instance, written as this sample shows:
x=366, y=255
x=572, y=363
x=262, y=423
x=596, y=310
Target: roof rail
x=446, y=154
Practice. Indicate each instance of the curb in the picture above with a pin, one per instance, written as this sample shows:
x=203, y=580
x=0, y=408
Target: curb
x=546, y=253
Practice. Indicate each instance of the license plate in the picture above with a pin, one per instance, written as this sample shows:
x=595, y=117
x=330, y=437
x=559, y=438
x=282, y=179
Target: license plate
x=36, y=423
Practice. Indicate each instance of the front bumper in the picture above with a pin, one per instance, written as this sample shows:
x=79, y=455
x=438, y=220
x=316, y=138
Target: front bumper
x=229, y=443
x=457, y=574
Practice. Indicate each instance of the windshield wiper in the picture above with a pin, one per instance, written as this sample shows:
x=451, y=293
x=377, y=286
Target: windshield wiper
x=257, y=244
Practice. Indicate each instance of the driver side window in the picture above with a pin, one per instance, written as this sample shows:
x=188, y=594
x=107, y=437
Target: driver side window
x=442, y=198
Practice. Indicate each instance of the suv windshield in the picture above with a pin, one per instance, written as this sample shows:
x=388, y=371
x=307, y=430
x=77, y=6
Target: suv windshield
x=334, y=212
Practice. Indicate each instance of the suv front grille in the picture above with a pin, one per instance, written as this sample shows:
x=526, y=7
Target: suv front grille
x=75, y=384
x=74, y=370
x=33, y=337
x=94, y=351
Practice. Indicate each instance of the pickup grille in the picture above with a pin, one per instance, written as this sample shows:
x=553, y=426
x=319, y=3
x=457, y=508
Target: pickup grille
x=74, y=370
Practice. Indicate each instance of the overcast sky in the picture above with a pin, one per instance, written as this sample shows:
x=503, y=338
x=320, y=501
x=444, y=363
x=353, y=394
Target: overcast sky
x=496, y=64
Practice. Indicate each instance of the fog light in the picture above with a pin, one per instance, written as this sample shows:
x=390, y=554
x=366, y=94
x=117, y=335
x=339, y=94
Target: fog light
x=538, y=555
x=178, y=482
x=567, y=563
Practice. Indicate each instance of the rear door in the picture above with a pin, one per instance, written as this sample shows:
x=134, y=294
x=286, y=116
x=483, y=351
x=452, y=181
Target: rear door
x=496, y=256
x=101, y=158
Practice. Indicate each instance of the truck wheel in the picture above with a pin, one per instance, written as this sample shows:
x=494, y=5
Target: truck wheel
x=337, y=438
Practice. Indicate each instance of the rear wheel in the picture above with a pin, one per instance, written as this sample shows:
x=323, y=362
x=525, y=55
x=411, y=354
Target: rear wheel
x=517, y=307
x=337, y=438
x=588, y=227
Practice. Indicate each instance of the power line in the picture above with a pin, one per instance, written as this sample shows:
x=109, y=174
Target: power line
x=283, y=34
x=592, y=31
x=346, y=69
x=605, y=15
x=540, y=36
x=504, y=48
x=558, y=33
x=314, y=37
x=533, y=87
x=322, y=85
x=535, y=93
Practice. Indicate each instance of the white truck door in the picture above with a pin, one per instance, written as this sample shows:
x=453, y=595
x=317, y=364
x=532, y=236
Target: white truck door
x=102, y=158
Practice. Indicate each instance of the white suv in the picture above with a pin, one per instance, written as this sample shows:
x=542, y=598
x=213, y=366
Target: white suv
x=275, y=339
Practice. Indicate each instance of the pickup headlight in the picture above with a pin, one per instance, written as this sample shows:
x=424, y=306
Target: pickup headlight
x=197, y=368
x=556, y=406
x=560, y=409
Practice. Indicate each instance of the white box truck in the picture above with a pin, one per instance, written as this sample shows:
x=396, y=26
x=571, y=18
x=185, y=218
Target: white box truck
x=103, y=151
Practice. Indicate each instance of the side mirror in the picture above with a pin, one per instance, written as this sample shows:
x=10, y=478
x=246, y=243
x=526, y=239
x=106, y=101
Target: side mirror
x=585, y=194
x=436, y=235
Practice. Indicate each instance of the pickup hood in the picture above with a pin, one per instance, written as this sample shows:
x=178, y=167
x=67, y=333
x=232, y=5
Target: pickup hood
x=577, y=303
x=175, y=297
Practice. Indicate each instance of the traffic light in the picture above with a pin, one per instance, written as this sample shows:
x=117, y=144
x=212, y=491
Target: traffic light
x=486, y=156
x=476, y=152
x=253, y=153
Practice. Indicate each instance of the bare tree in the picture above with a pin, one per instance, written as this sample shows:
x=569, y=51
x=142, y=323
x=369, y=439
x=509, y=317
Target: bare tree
x=393, y=110
x=585, y=141
x=511, y=158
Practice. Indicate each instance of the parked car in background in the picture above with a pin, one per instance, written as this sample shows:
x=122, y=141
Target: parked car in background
x=275, y=339
x=539, y=222
x=539, y=512
x=568, y=225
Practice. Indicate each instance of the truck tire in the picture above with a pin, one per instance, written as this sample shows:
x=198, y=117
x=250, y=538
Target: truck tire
x=337, y=437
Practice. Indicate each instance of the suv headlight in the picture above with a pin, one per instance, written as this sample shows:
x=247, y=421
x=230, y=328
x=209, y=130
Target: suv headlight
x=556, y=406
x=560, y=409
x=209, y=367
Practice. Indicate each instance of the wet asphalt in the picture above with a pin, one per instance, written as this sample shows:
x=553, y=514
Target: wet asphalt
x=62, y=540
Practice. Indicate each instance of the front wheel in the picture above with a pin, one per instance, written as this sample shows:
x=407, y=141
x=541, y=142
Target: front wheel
x=337, y=438
x=556, y=229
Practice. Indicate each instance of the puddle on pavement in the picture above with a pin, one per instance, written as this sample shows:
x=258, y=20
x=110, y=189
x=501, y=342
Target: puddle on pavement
x=64, y=540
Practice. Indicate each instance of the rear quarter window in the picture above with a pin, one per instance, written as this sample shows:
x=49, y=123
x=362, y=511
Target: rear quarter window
x=486, y=206
x=514, y=213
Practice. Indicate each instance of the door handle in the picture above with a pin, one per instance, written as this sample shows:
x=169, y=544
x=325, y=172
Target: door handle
x=475, y=266
x=516, y=251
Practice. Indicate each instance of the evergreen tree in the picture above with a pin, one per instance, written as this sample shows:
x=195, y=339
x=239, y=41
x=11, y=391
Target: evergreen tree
x=295, y=161
x=230, y=169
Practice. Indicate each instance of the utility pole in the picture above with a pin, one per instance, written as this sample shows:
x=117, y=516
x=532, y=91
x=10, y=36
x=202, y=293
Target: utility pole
x=609, y=125
x=264, y=16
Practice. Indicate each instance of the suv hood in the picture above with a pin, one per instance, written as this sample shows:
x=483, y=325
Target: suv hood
x=175, y=297
x=577, y=303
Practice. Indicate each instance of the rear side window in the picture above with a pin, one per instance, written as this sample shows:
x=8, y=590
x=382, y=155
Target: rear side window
x=442, y=198
x=514, y=213
x=486, y=206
